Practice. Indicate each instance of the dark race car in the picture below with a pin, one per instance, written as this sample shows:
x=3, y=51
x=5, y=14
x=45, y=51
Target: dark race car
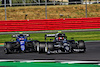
x=20, y=45
x=60, y=44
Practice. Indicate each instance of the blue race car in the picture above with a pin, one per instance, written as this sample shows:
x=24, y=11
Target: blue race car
x=20, y=45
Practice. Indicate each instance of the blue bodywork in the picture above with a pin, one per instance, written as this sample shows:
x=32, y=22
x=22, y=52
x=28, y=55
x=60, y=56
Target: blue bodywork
x=22, y=40
x=21, y=44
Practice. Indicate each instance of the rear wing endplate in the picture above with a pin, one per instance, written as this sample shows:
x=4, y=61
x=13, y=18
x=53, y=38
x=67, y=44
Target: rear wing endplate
x=16, y=35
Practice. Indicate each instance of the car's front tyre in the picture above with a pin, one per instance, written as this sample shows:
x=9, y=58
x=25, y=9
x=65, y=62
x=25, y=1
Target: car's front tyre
x=6, y=51
x=81, y=45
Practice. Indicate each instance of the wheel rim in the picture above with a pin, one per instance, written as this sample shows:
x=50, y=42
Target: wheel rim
x=37, y=47
x=81, y=43
x=67, y=48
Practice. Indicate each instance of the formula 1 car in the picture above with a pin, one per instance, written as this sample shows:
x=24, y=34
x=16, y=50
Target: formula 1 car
x=20, y=45
x=60, y=45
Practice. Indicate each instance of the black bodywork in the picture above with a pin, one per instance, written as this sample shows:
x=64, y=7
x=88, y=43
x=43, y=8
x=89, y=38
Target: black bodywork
x=60, y=45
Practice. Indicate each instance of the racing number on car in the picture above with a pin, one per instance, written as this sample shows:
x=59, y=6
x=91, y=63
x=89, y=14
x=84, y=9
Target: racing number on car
x=22, y=47
x=21, y=42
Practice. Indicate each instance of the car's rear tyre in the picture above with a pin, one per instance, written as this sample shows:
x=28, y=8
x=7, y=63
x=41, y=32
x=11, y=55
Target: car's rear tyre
x=41, y=47
x=36, y=45
x=29, y=45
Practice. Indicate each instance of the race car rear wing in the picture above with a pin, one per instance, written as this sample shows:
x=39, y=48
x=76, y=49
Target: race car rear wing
x=55, y=35
x=16, y=35
x=49, y=35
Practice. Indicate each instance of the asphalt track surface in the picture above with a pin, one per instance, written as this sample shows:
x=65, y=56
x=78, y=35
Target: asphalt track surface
x=92, y=53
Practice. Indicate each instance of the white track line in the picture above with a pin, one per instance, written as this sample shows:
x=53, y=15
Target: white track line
x=61, y=61
x=72, y=62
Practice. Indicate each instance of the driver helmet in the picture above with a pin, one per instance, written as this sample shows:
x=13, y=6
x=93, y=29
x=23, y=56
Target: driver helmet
x=60, y=38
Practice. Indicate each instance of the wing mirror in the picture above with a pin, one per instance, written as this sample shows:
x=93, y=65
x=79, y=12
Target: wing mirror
x=27, y=35
x=13, y=36
x=12, y=40
x=51, y=39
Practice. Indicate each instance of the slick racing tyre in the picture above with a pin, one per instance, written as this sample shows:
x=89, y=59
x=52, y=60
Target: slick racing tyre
x=7, y=48
x=8, y=45
x=41, y=47
x=36, y=45
x=49, y=47
x=67, y=48
x=6, y=51
x=81, y=46
x=29, y=45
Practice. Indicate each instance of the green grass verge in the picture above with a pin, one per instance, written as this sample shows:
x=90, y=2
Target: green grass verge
x=86, y=36
x=32, y=64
